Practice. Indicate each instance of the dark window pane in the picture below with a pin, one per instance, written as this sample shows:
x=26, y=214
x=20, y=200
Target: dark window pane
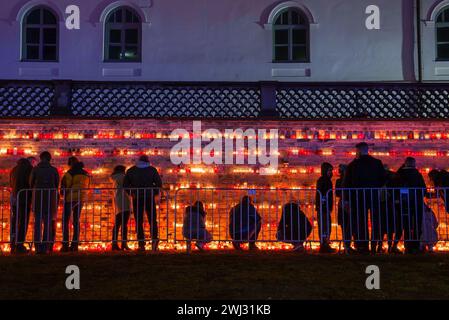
x=32, y=35
x=445, y=16
x=136, y=19
x=443, y=34
x=299, y=53
x=299, y=36
x=32, y=53
x=131, y=53
x=34, y=17
x=111, y=18
x=50, y=36
x=49, y=18
x=114, y=53
x=115, y=36
x=285, y=18
x=49, y=53
x=129, y=16
x=131, y=36
x=278, y=20
x=443, y=51
x=118, y=16
x=281, y=36
x=295, y=18
x=440, y=17
x=281, y=53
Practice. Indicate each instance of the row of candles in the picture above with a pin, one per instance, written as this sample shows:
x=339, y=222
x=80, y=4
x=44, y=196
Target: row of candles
x=98, y=153
x=282, y=134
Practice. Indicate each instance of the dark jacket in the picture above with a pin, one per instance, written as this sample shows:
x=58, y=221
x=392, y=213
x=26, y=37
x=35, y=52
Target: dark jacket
x=412, y=179
x=142, y=176
x=324, y=194
x=294, y=225
x=45, y=180
x=365, y=172
x=194, y=225
x=244, y=220
x=19, y=178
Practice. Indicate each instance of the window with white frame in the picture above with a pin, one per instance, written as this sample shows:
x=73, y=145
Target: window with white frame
x=123, y=36
x=442, y=35
x=40, y=35
x=291, y=36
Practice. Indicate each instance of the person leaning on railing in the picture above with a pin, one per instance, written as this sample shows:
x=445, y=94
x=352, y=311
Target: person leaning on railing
x=440, y=180
x=73, y=188
x=143, y=183
x=44, y=181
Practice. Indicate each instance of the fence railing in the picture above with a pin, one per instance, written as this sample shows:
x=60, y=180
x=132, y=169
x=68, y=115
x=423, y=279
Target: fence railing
x=90, y=216
x=224, y=217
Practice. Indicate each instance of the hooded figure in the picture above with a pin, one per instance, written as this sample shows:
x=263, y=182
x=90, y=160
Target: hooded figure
x=20, y=204
x=244, y=224
x=74, y=187
x=44, y=181
x=143, y=183
x=294, y=226
x=122, y=205
x=323, y=204
x=194, y=225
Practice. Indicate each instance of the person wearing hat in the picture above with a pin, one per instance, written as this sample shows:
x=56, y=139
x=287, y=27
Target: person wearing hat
x=143, y=183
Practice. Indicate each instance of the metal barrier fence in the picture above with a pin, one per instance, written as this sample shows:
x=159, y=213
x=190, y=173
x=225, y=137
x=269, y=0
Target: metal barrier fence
x=88, y=216
x=224, y=215
x=5, y=210
x=417, y=216
x=275, y=218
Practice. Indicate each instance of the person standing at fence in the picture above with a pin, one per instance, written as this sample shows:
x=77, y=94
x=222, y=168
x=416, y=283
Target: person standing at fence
x=324, y=204
x=19, y=181
x=245, y=224
x=194, y=225
x=143, y=183
x=364, y=176
x=73, y=188
x=344, y=220
x=44, y=181
x=440, y=180
x=122, y=205
x=391, y=222
x=412, y=204
x=294, y=227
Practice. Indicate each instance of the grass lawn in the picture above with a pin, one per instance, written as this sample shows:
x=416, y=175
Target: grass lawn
x=224, y=275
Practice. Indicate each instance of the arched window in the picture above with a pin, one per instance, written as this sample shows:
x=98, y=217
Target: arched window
x=442, y=34
x=40, y=35
x=291, y=36
x=123, y=40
